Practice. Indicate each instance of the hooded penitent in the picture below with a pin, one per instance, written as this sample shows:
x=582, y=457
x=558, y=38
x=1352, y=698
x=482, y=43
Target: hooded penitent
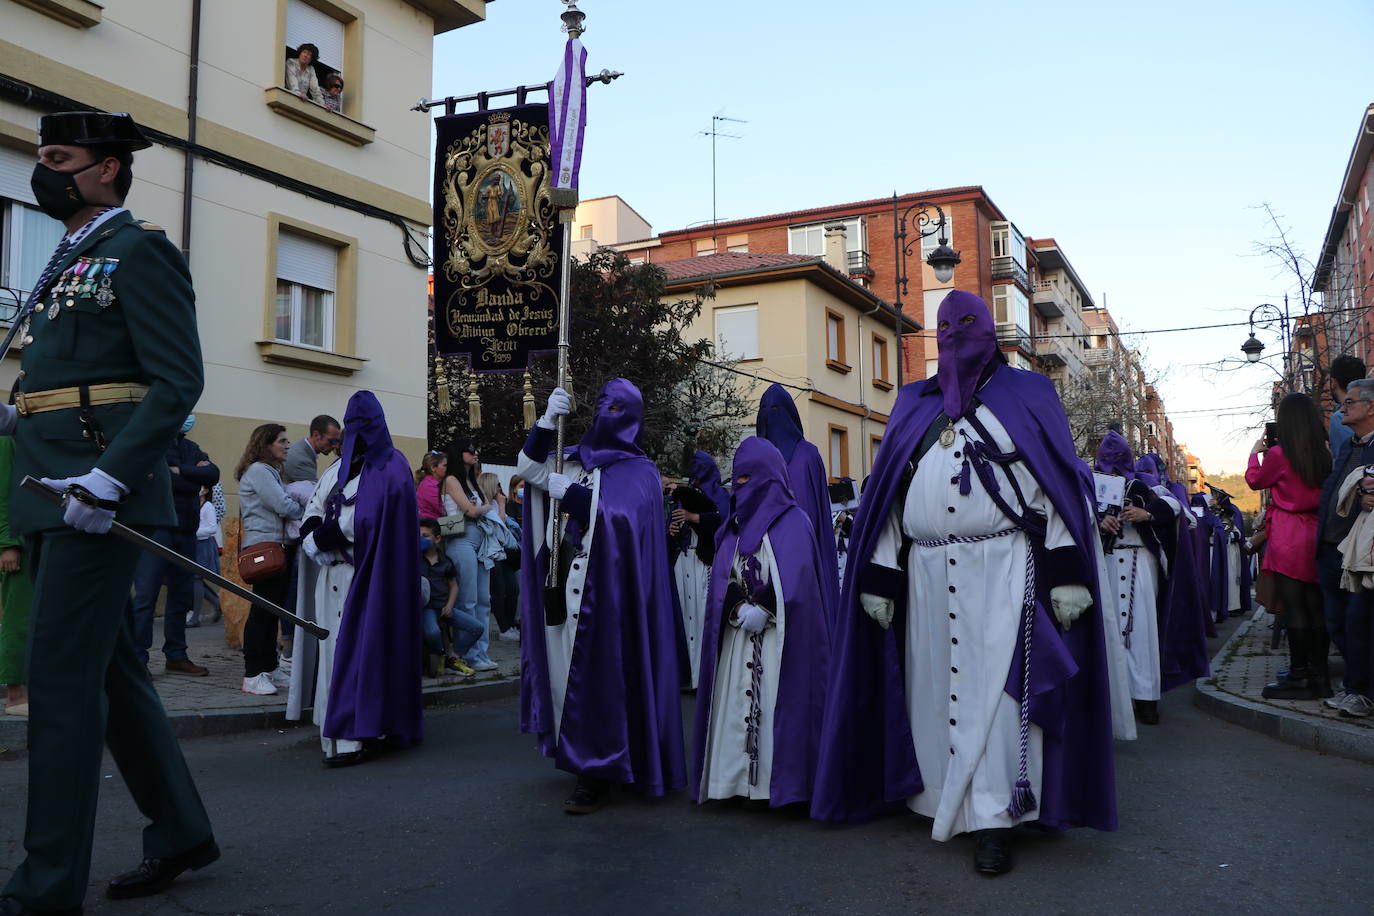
x=780, y=423
x=868, y=761
x=622, y=713
x=375, y=688
x=967, y=340
x=1146, y=471
x=764, y=505
x=1114, y=456
x=1216, y=538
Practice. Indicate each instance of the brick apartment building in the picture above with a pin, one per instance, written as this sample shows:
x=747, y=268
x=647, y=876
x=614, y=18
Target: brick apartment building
x=1345, y=267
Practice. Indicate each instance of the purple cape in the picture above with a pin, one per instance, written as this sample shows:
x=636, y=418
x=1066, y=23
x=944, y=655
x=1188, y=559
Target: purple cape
x=868, y=760
x=375, y=688
x=1215, y=539
x=1183, y=636
x=779, y=423
x=1238, y=522
x=622, y=713
x=801, y=684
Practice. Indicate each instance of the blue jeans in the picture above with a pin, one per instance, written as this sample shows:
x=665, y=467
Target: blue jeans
x=463, y=630
x=1334, y=600
x=207, y=555
x=149, y=574
x=474, y=585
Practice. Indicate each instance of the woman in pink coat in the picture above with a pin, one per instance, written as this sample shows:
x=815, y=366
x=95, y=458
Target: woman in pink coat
x=1293, y=471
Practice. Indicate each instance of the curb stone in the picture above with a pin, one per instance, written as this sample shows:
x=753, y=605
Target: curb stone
x=1317, y=734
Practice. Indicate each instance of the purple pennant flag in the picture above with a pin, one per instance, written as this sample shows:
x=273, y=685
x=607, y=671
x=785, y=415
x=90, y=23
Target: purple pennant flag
x=568, y=115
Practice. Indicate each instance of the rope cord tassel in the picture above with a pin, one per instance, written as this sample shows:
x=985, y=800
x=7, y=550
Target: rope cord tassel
x=1022, y=795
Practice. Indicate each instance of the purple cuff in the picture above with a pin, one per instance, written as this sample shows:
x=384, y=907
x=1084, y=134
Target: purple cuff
x=329, y=537
x=883, y=581
x=1063, y=566
x=539, y=443
x=577, y=502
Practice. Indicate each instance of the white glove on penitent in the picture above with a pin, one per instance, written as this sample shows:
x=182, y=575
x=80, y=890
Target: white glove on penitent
x=560, y=404
x=558, y=485
x=1069, y=602
x=880, y=609
x=752, y=618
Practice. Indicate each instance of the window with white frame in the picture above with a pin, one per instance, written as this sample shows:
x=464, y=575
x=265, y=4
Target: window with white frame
x=737, y=331
x=930, y=242
x=1008, y=242
x=307, y=272
x=810, y=240
x=999, y=304
x=28, y=236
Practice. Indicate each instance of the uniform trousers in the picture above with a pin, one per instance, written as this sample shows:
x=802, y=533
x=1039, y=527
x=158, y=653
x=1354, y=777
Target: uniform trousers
x=88, y=689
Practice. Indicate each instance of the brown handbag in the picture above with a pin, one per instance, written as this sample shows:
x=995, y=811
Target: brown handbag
x=263, y=561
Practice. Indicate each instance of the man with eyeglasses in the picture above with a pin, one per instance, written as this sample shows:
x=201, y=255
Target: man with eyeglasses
x=1349, y=617
x=302, y=458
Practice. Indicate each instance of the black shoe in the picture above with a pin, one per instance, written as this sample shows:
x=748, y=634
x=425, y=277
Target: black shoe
x=346, y=759
x=590, y=795
x=1293, y=688
x=1147, y=711
x=153, y=876
x=992, y=851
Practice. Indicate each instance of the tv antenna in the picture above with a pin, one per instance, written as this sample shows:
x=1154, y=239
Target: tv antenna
x=713, y=133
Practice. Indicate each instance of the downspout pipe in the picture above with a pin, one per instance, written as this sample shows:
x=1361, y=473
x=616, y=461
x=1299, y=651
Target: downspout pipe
x=192, y=96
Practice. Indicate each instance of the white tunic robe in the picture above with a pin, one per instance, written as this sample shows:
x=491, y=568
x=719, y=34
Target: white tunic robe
x=559, y=640
x=964, y=605
x=725, y=772
x=331, y=590
x=1234, y=559
x=1136, y=609
x=692, y=577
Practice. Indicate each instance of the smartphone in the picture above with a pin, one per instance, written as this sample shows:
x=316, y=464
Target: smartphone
x=1271, y=434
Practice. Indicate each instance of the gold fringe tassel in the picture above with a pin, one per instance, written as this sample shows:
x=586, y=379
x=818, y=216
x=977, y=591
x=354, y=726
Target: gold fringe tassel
x=474, y=404
x=528, y=401
x=441, y=385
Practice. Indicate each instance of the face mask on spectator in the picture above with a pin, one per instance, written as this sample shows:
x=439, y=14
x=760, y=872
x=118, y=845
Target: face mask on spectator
x=425, y=543
x=519, y=492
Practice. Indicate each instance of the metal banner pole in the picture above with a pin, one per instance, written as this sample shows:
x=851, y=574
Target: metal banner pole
x=565, y=216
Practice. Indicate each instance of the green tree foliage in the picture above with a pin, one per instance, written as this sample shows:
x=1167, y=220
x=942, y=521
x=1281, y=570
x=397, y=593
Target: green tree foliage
x=622, y=326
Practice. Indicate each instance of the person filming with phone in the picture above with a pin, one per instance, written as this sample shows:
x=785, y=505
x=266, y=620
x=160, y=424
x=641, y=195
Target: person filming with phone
x=1292, y=462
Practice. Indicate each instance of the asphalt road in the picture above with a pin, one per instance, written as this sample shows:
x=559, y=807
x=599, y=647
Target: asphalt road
x=1215, y=819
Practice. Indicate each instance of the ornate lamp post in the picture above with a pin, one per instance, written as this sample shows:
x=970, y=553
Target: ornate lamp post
x=926, y=219
x=1265, y=316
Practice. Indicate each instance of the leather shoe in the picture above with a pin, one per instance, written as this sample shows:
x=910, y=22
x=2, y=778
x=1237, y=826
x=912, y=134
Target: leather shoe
x=346, y=759
x=589, y=796
x=186, y=666
x=1147, y=711
x=11, y=907
x=992, y=851
x=153, y=876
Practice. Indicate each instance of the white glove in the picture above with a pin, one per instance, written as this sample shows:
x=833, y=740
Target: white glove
x=880, y=609
x=560, y=404
x=1069, y=602
x=83, y=517
x=558, y=485
x=9, y=416
x=752, y=618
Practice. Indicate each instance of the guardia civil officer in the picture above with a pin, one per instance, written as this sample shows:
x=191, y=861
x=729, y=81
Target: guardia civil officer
x=111, y=366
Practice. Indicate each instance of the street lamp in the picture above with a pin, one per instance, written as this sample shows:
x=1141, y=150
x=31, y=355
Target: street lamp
x=1266, y=315
x=942, y=260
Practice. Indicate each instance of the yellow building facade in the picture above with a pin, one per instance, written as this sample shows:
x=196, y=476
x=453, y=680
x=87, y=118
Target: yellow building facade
x=304, y=227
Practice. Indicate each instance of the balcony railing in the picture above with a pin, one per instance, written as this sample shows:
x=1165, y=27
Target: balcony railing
x=1009, y=335
x=1009, y=269
x=857, y=263
x=1049, y=301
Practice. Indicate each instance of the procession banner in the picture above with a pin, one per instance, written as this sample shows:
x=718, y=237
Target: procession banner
x=496, y=238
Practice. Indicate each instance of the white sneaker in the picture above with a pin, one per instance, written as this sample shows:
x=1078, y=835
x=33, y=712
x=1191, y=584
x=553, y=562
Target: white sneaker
x=485, y=664
x=280, y=678
x=258, y=685
x=512, y=634
x=1357, y=706
x=1335, y=701
x=284, y=664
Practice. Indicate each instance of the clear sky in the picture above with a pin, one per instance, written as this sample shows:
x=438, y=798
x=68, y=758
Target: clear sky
x=1144, y=138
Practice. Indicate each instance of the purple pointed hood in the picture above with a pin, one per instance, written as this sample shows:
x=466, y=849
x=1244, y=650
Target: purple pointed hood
x=778, y=420
x=704, y=474
x=1114, y=456
x=366, y=441
x=766, y=495
x=967, y=340
x=1146, y=471
x=614, y=432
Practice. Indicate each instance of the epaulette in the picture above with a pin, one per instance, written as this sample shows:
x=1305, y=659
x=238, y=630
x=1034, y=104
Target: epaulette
x=144, y=224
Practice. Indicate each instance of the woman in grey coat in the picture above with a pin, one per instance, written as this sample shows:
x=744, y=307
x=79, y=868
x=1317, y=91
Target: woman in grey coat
x=265, y=508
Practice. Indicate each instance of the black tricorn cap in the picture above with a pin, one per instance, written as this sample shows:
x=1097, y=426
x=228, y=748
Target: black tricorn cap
x=91, y=128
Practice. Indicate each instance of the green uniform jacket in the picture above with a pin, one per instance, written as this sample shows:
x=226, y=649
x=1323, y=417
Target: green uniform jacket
x=147, y=334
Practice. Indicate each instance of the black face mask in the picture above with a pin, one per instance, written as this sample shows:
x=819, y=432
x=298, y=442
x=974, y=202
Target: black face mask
x=56, y=192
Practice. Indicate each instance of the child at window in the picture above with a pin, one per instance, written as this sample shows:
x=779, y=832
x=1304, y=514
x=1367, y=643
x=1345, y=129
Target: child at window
x=333, y=92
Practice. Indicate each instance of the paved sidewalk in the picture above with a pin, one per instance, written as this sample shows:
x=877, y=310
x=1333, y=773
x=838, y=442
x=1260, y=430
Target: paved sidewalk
x=1245, y=664
x=216, y=705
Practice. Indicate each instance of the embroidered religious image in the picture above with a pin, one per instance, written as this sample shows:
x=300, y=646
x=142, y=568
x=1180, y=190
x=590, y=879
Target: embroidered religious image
x=498, y=209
